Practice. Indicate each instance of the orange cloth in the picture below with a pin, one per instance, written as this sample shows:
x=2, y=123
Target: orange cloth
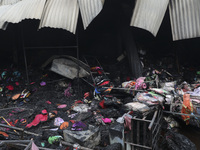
x=187, y=108
x=64, y=125
x=16, y=96
x=4, y=134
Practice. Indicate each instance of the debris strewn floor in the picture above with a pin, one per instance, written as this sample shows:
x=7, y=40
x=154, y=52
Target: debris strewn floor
x=103, y=109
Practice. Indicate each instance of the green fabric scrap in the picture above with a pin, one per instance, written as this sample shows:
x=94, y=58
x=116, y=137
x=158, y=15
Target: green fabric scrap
x=53, y=139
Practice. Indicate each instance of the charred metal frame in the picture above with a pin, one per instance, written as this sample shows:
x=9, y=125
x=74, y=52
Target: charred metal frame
x=50, y=47
x=144, y=133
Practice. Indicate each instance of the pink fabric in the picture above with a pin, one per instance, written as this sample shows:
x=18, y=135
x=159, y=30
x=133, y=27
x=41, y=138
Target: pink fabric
x=62, y=106
x=34, y=147
x=48, y=102
x=38, y=118
x=44, y=111
x=127, y=123
x=106, y=120
x=139, y=82
x=42, y=83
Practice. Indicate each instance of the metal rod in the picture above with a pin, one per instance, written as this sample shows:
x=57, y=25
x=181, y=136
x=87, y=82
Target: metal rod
x=8, y=123
x=142, y=120
x=24, y=50
x=113, y=87
x=14, y=141
x=56, y=80
x=88, y=82
x=176, y=113
x=153, y=119
x=9, y=108
x=24, y=145
x=51, y=47
x=144, y=132
x=77, y=51
x=100, y=65
x=138, y=132
x=90, y=71
x=28, y=146
x=138, y=145
x=20, y=129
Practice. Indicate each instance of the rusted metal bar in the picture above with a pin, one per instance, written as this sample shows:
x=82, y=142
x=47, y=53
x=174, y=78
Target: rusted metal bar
x=20, y=129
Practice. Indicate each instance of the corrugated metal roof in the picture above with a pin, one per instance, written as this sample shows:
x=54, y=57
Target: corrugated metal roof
x=185, y=19
x=26, y=9
x=148, y=14
x=60, y=14
x=89, y=10
x=8, y=2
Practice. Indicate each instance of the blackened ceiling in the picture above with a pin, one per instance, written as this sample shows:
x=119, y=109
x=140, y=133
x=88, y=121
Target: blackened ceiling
x=100, y=38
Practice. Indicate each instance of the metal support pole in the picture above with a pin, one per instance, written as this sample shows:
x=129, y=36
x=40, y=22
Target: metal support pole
x=24, y=51
x=77, y=52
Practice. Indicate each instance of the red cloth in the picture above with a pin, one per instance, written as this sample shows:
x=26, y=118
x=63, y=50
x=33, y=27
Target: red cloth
x=38, y=118
x=78, y=102
x=102, y=104
x=10, y=87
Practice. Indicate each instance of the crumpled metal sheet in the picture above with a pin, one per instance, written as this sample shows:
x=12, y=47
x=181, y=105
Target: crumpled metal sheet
x=60, y=14
x=67, y=66
x=89, y=10
x=26, y=9
x=185, y=19
x=148, y=14
x=3, y=9
x=8, y=2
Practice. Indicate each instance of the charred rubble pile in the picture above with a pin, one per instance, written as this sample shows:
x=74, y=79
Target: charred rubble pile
x=74, y=105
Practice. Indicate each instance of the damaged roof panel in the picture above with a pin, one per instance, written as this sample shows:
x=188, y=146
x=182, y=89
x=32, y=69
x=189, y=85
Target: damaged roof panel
x=148, y=14
x=185, y=19
x=26, y=9
x=8, y=2
x=89, y=10
x=60, y=14
x=3, y=8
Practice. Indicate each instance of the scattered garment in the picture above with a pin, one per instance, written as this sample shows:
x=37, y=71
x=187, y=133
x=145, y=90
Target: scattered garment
x=38, y=118
x=58, y=121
